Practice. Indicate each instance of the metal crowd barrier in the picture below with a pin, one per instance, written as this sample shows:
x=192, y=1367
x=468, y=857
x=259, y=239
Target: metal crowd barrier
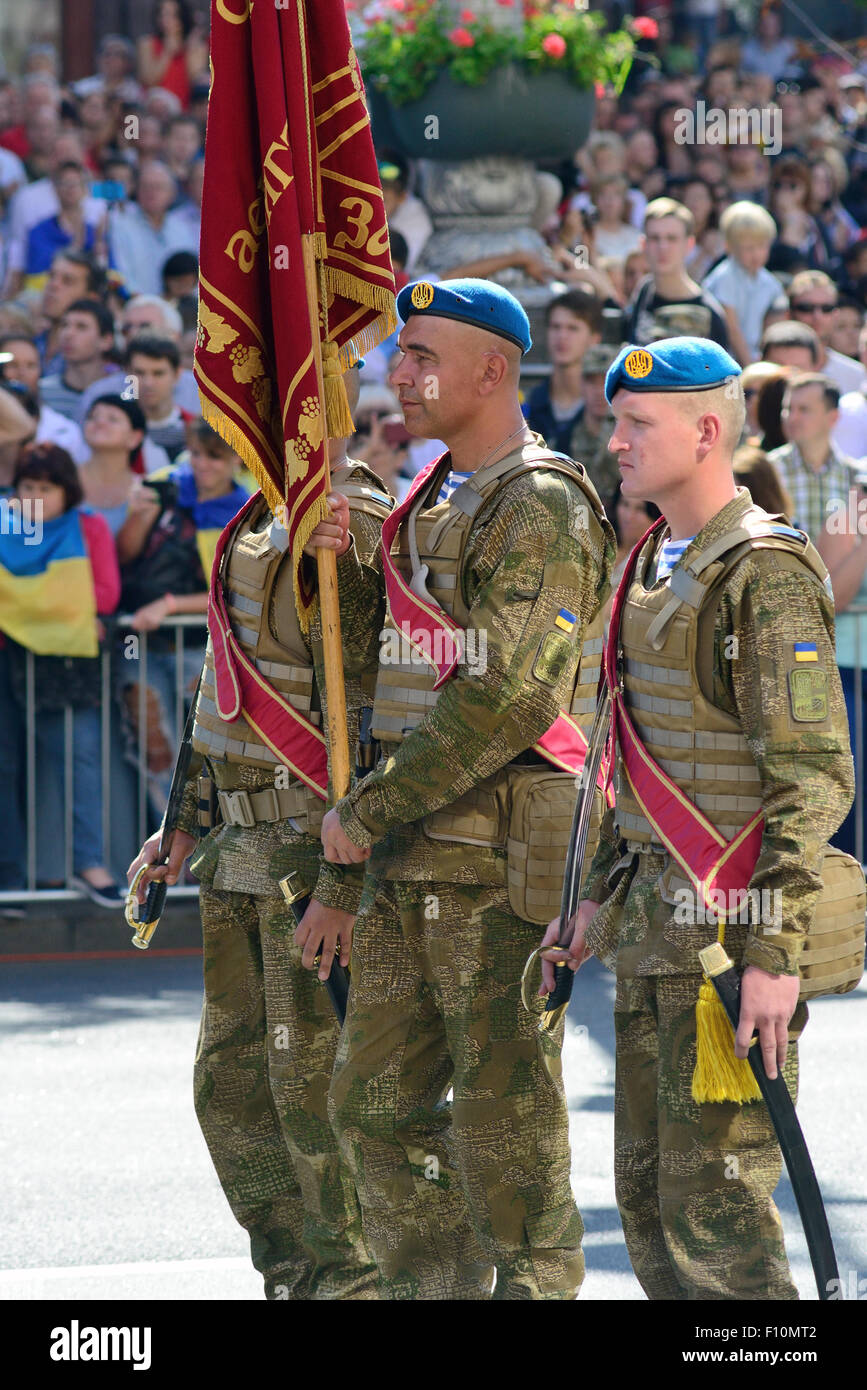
x=120, y=848
x=122, y=835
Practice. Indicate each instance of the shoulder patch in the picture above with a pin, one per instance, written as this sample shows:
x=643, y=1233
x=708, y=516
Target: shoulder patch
x=555, y=650
x=808, y=694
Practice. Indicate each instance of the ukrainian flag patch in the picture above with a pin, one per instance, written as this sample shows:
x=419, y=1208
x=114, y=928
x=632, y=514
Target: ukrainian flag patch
x=806, y=651
x=566, y=620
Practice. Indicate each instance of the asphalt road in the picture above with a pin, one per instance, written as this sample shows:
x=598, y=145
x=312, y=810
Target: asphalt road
x=107, y=1185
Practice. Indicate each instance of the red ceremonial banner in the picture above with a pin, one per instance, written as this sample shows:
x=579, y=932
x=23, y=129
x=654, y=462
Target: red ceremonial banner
x=294, y=242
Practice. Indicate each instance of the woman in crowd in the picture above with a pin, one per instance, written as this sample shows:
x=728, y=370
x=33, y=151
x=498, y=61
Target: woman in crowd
x=114, y=430
x=754, y=470
x=56, y=590
x=695, y=194
x=175, y=54
x=798, y=230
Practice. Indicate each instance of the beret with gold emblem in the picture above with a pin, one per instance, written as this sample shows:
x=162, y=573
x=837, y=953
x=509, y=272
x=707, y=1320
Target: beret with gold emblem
x=670, y=364
x=479, y=302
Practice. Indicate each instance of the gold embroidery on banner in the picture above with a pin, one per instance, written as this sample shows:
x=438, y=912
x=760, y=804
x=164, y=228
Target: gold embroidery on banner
x=341, y=139
x=332, y=77
x=277, y=174
x=359, y=221
x=230, y=304
x=353, y=183
x=355, y=74
x=338, y=106
x=214, y=329
x=230, y=15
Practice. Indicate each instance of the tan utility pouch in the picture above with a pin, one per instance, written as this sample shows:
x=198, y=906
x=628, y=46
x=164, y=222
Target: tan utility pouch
x=542, y=804
x=832, y=958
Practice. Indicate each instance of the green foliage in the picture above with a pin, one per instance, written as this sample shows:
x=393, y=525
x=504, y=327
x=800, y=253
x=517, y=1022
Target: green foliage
x=411, y=42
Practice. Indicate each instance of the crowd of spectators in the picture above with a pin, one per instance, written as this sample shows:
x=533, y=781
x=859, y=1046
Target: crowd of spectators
x=758, y=242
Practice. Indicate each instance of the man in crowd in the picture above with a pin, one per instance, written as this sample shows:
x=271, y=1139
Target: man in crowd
x=143, y=234
x=86, y=337
x=154, y=366
x=811, y=467
x=669, y=239
x=813, y=301
x=573, y=322
x=24, y=366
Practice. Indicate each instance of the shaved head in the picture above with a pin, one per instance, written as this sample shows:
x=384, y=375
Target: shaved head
x=726, y=401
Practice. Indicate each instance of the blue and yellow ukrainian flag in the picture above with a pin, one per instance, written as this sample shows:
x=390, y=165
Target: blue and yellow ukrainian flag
x=806, y=651
x=47, y=600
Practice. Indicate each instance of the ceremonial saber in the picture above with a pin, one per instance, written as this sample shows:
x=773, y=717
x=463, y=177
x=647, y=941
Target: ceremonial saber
x=144, y=919
x=558, y=1000
x=726, y=981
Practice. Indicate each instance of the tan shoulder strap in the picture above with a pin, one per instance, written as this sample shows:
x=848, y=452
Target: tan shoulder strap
x=756, y=530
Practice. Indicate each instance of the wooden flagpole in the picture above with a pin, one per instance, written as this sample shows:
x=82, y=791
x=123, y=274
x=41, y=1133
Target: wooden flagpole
x=326, y=564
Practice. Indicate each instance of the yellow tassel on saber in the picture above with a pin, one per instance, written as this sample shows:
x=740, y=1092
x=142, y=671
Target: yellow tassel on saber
x=719, y=1075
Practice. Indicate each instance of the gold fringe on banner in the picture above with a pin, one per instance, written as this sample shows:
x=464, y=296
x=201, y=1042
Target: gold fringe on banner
x=719, y=1075
x=349, y=286
x=338, y=419
x=366, y=340
x=234, y=436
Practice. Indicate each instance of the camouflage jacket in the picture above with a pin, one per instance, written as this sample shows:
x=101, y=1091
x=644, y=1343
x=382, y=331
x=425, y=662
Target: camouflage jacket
x=806, y=772
x=532, y=555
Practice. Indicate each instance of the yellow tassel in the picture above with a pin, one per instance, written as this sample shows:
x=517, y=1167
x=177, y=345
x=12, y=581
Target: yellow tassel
x=338, y=420
x=719, y=1075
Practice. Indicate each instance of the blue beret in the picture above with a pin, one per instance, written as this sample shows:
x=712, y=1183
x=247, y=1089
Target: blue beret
x=670, y=364
x=479, y=302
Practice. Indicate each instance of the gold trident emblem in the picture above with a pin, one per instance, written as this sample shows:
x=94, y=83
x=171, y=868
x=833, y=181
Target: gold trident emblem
x=422, y=295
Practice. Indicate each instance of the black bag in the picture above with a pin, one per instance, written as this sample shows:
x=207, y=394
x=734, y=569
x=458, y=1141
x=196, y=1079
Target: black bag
x=58, y=681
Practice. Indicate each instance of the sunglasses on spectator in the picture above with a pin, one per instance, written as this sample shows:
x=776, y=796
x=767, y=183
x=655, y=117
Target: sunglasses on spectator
x=750, y=391
x=804, y=307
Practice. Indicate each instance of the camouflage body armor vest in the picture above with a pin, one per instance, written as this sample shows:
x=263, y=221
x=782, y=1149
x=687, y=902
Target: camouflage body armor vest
x=431, y=545
x=249, y=573
x=662, y=632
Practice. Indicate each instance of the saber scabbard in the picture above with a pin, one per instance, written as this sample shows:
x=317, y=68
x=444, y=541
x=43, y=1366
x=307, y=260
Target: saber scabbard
x=726, y=981
x=557, y=1001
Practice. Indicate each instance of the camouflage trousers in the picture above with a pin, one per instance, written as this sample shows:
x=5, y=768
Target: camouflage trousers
x=451, y=1193
x=694, y=1182
x=266, y=1049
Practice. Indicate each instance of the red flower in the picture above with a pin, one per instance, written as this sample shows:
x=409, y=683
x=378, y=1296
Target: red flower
x=554, y=45
x=506, y=4
x=408, y=27
x=468, y=16
x=599, y=89
x=645, y=27
x=399, y=5
x=463, y=38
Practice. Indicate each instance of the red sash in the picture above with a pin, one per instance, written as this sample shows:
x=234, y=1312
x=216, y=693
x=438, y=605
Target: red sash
x=709, y=860
x=439, y=640
x=241, y=689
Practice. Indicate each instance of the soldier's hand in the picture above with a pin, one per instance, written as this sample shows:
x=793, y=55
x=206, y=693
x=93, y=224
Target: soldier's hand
x=767, y=1004
x=577, y=952
x=319, y=932
x=339, y=849
x=182, y=846
x=332, y=534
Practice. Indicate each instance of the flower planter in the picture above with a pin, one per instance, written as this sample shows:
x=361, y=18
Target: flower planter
x=514, y=112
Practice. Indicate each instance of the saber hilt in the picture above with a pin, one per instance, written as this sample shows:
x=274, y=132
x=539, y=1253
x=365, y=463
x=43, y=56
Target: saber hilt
x=144, y=919
x=726, y=981
x=337, y=984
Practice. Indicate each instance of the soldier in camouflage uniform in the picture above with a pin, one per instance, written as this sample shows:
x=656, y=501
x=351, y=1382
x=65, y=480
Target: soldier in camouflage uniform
x=268, y=1033
x=439, y=946
x=589, y=439
x=727, y=660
